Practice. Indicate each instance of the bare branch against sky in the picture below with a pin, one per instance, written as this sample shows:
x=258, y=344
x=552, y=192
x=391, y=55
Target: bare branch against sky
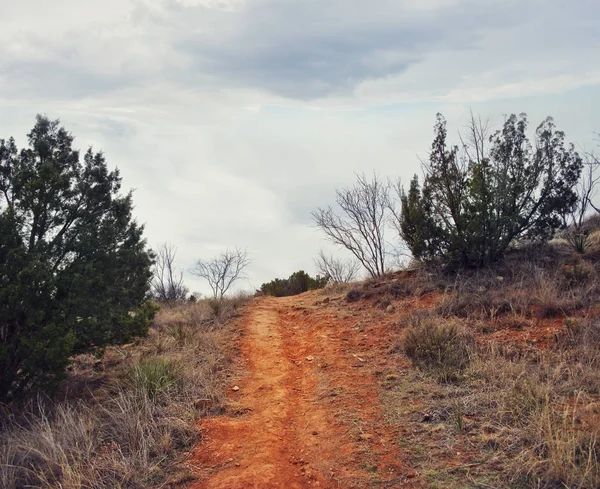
x=203, y=101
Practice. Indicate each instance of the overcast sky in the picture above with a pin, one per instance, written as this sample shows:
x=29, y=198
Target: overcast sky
x=234, y=119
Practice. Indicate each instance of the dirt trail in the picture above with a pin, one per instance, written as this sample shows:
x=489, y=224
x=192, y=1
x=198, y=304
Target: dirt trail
x=307, y=413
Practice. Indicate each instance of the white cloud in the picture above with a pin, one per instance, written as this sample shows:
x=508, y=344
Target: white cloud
x=233, y=119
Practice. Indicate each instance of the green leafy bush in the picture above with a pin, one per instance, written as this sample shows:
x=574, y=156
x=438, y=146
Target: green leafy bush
x=478, y=199
x=297, y=283
x=153, y=376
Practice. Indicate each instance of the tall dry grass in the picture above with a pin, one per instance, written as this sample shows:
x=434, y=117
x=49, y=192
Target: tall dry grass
x=537, y=410
x=127, y=420
x=544, y=409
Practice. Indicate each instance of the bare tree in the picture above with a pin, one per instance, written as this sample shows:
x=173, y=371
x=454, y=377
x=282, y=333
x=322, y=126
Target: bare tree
x=592, y=163
x=221, y=272
x=575, y=221
x=167, y=283
x=337, y=270
x=360, y=228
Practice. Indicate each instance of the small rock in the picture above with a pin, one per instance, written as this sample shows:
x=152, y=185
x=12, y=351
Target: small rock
x=237, y=464
x=389, y=309
x=326, y=300
x=229, y=460
x=315, y=433
x=365, y=436
x=310, y=358
x=235, y=388
x=411, y=474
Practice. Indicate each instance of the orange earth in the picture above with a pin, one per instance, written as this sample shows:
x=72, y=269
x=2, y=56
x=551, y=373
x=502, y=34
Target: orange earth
x=305, y=409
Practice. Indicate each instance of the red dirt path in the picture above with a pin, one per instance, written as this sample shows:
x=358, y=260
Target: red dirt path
x=307, y=413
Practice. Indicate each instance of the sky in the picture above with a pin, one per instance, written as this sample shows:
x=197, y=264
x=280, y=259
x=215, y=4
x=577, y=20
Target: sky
x=233, y=120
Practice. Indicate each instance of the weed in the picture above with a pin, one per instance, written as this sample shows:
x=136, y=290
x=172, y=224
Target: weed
x=135, y=413
x=153, y=376
x=179, y=332
x=457, y=414
x=439, y=346
x=353, y=295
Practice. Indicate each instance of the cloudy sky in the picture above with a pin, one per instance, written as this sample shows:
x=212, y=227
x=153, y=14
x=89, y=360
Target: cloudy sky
x=234, y=119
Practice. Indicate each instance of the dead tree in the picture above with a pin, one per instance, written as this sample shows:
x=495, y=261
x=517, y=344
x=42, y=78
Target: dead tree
x=167, y=282
x=335, y=269
x=576, y=232
x=361, y=226
x=593, y=165
x=221, y=272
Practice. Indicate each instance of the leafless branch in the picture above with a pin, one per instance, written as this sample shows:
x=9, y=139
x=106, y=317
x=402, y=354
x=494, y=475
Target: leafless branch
x=575, y=221
x=167, y=283
x=361, y=226
x=221, y=272
x=592, y=164
x=337, y=270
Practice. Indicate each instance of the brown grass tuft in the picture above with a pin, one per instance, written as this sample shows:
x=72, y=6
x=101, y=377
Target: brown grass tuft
x=126, y=420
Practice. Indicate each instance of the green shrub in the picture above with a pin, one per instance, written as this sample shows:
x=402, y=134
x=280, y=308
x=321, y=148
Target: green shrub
x=153, y=376
x=476, y=200
x=297, y=283
x=74, y=265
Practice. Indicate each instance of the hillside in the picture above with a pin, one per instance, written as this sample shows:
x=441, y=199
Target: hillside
x=423, y=378
x=324, y=394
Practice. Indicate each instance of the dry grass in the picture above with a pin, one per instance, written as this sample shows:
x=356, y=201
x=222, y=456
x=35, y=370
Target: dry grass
x=439, y=345
x=397, y=285
x=527, y=290
x=511, y=422
x=517, y=416
x=126, y=420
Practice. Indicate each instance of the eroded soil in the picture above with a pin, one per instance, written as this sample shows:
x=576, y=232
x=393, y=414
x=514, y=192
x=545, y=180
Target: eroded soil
x=307, y=412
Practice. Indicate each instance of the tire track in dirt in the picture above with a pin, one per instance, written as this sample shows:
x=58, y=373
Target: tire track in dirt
x=308, y=410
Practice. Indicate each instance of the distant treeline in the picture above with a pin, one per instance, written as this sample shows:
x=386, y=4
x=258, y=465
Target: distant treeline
x=297, y=283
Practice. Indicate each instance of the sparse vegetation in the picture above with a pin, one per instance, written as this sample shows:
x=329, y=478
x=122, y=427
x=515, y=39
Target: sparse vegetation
x=153, y=376
x=124, y=421
x=336, y=270
x=353, y=295
x=223, y=271
x=360, y=227
x=438, y=345
x=167, y=280
x=495, y=327
x=528, y=411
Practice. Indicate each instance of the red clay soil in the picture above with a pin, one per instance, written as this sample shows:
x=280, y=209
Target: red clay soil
x=307, y=414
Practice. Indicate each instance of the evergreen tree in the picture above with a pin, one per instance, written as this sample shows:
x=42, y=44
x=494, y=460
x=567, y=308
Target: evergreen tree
x=475, y=201
x=74, y=266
